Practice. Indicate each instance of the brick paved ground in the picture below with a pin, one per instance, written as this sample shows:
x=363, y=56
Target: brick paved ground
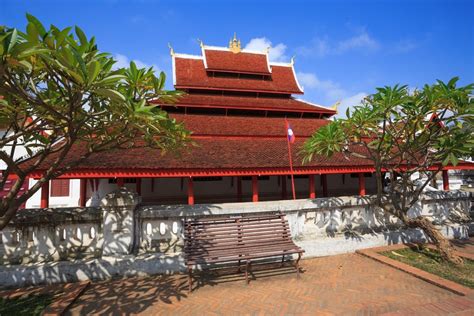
x=466, y=246
x=343, y=284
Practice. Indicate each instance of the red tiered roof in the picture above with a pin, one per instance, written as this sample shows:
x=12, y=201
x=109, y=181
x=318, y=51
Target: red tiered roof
x=191, y=73
x=251, y=103
x=225, y=146
x=247, y=126
x=213, y=153
x=243, y=62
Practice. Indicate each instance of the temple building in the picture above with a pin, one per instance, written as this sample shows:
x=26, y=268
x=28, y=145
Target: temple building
x=236, y=105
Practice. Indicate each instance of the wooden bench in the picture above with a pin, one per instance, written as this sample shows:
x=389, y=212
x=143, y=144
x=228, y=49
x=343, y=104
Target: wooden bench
x=239, y=239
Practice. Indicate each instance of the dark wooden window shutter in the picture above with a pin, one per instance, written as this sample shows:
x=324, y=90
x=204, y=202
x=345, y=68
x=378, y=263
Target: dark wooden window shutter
x=60, y=187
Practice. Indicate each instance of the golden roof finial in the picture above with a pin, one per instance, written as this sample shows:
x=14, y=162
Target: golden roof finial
x=234, y=45
x=335, y=105
x=171, y=49
x=201, y=43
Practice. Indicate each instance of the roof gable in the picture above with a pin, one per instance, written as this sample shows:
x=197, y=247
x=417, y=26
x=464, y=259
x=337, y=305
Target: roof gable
x=191, y=73
x=243, y=62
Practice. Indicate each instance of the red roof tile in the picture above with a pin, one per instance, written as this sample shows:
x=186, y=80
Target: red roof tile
x=251, y=103
x=223, y=142
x=243, y=62
x=247, y=126
x=210, y=154
x=190, y=73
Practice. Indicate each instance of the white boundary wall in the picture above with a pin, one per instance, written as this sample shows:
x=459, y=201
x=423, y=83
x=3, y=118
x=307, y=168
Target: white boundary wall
x=121, y=239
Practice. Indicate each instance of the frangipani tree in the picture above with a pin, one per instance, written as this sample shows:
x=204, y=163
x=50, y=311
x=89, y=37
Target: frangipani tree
x=57, y=90
x=405, y=134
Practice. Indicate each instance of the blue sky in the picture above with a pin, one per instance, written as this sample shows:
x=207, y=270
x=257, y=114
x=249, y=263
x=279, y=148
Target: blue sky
x=343, y=49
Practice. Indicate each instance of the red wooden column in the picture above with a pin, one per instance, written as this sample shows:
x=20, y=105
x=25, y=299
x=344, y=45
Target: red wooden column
x=283, y=187
x=445, y=180
x=254, y=189
x=120, y=182
x=138, y=186
x=45, y=195
x=312, y=190
x=324, y=182
x=239, y=189
x=190, y=191
x=361, y=184
x=83, y=192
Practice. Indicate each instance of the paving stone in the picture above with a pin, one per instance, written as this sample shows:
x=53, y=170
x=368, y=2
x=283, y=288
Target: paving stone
x=340, y=285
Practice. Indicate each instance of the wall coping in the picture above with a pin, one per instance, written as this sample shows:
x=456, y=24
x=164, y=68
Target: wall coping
x=56, y=216
x=285, y=206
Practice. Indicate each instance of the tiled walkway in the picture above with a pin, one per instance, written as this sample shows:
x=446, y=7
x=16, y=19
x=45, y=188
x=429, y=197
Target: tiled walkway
x=344, y=284
x=466, y=246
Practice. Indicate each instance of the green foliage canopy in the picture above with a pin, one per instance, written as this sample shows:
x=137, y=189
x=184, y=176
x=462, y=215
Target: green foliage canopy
x=398, y=130
x=57, y=90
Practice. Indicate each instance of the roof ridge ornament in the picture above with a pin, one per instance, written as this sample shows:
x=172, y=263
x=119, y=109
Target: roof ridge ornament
x=292, y=61
x=235, y=45
x=171, y=49
x=335, y=105
x=201, y=43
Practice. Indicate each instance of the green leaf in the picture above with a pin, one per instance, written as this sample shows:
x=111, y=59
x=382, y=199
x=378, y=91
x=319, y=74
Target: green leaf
x=12, y=40
x=33, y=51
x=82, y=37
x=109, y=93
x=454, y=160
x=32, y=33
x=39, y=27
x=62, y=36
x=78, y=78
x=133, y=70
x=445, y=161
x=49, y=40
x=93, y=70
x=80, y=61
x=111, y=79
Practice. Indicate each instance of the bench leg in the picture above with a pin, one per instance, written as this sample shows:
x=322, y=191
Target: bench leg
x=190, y=279
x=297, y=265
x=282, y=260
x=238, y=271
x=247, y=266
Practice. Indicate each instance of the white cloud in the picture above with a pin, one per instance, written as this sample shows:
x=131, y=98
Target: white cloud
x=124, y=62
x=277, y=53
x=329, y=92
x=330, y=89
x=361, y=41
x=350, y=102
x=321, y=47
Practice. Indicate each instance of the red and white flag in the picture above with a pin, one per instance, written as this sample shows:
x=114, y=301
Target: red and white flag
x=291, y=135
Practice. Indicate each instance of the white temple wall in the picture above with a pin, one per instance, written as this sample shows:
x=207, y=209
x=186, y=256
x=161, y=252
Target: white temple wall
x=57, y=201
x=165, y=189
x=175, y=190
x=345, y=184
x=122, y=238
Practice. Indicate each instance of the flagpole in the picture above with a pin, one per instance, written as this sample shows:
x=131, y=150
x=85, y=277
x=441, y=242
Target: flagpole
x=291, y=161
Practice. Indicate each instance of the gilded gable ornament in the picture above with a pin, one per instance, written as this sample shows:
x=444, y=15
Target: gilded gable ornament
x=234, y=45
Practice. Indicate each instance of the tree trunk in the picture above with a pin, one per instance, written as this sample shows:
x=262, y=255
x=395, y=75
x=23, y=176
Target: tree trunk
x=434, y=235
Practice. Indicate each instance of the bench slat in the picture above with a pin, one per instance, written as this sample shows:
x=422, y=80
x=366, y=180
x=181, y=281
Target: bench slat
x=237, y=226
x=240, y=236
x=233, y=243
x=231, y=219
x=249, y=257
x=235, y=247
x=234, y=226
